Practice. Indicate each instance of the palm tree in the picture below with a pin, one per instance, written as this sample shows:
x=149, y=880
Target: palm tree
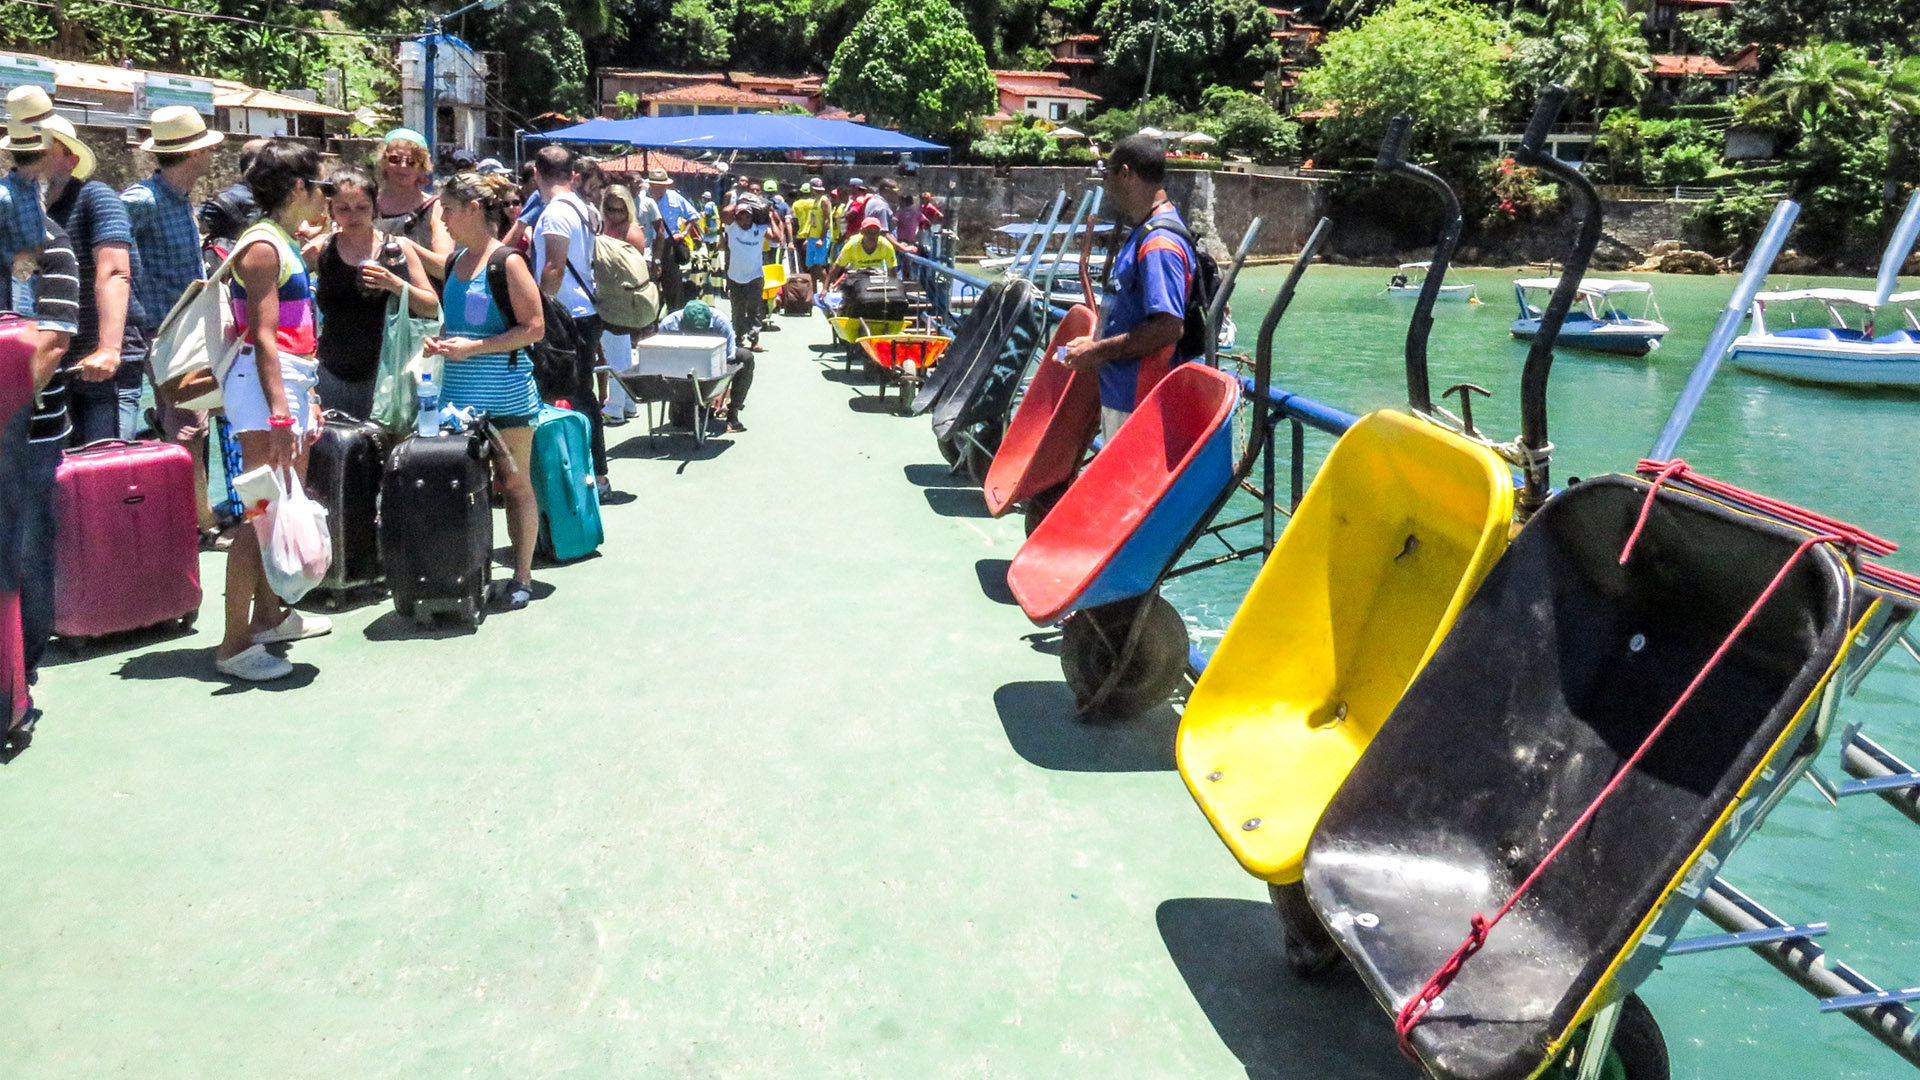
x=1832, y=75
x=1900, y=89
x=1601, y=50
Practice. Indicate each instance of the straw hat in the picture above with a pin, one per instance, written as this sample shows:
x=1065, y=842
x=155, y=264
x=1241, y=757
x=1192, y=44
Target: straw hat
x=31, y=120
x=178, y=129
x=659, y=176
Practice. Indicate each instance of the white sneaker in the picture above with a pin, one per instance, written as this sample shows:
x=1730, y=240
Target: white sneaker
x=254, y=664
x=295, y=627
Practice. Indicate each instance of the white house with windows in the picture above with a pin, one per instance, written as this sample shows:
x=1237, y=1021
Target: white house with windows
x=1040, y=95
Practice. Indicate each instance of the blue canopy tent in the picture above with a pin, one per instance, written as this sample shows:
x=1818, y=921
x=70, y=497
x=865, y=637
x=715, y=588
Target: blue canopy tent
x=741, y=131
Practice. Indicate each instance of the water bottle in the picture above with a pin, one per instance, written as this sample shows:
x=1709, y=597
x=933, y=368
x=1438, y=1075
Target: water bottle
x=428, y=422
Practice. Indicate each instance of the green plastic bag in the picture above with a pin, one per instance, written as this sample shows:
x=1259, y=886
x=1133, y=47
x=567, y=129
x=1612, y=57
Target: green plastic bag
x=396, y=400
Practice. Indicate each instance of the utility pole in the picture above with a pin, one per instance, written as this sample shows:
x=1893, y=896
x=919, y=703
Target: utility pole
x=1153, y=50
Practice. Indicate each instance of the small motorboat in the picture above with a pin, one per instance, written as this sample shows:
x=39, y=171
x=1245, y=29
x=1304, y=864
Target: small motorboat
x=1406, y=283
x=1839, y=354
x=1598, y=324
x=1842, y=354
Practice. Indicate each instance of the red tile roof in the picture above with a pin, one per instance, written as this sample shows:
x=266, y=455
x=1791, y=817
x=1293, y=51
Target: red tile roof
x=679, y=76
x=704, y=94
x=1677, y=65
x=779, y=84
x=1077, y=37
x=638, y=164
x=1039, y=84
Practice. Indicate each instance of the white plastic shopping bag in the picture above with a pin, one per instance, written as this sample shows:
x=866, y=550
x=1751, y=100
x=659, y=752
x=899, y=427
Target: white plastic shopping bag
x=295, y=545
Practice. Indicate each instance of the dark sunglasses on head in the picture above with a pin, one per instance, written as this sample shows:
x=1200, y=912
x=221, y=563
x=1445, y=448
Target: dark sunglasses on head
x=324, y=187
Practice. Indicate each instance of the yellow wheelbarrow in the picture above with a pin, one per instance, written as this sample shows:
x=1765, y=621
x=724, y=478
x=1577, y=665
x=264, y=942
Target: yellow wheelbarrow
x=1391, y=540
x=904, y=359
x=1388, y=544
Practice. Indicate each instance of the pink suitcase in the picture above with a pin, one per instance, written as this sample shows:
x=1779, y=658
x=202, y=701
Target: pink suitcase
x=129, y=547
x=17, y=337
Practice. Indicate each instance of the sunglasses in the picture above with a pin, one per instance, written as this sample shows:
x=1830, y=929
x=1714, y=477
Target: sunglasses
x=324, y=187
x=400, y=159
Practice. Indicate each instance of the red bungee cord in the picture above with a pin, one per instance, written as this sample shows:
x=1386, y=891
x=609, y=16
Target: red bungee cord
x=1417, y=1007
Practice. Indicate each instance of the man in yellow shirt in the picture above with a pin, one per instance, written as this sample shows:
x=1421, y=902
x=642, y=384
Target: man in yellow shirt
x=810, y=232
x=867, y=251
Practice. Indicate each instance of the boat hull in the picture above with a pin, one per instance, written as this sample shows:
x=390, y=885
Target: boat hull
x=1457, y=293
x=1829, y=363
x=1621, y=341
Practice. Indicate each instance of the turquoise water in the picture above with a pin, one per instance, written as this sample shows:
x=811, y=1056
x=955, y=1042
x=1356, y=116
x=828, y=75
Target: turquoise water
x=1852, y=455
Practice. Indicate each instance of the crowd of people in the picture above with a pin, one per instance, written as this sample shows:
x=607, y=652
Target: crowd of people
x=320, y=261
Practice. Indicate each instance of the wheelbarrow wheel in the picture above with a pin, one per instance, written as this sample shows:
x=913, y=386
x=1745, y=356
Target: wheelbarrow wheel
x=949, y=451
x=1311, y=951
x=1638, y=1051
x=1039, y=506
x=1109, y=679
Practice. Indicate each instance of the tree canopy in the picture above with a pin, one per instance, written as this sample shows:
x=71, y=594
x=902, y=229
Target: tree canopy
x=1439, y=61
x=1202, y=43
x=914, y=63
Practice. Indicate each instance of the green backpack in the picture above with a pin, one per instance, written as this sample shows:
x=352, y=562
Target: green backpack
x=624, y=292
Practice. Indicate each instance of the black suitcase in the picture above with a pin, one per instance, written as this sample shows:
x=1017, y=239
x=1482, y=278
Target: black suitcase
x=343, y=473
x=436, y=526
x=873, y=296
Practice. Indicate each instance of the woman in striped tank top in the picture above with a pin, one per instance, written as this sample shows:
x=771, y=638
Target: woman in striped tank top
x=487, y=335
x=268, y=392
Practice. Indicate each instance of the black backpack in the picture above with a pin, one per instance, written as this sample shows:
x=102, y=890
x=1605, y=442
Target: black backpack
x=556, y=355
x=757, y=203
x=1201, y=292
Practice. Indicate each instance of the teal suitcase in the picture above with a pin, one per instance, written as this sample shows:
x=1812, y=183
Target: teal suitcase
x=563, y=484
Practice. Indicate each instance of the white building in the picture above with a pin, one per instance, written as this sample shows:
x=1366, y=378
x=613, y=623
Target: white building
x=103, y=96
x=465, y=116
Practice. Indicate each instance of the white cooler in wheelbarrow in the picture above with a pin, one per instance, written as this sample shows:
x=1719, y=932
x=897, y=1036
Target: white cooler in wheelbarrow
x=693, y=369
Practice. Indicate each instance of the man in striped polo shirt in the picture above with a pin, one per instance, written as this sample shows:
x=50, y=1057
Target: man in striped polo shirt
x=1144, y=310
x=45, y=287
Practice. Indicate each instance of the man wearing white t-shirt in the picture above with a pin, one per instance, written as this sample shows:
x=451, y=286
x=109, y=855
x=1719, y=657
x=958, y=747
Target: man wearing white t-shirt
x=745, y=277
x=563, y=261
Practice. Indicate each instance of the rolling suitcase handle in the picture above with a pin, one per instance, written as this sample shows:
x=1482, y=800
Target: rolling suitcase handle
x=98, y=445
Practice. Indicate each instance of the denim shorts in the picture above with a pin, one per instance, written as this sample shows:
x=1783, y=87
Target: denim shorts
x=246, y=404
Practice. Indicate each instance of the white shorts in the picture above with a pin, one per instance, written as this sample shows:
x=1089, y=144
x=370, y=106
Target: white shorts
x=246, y=404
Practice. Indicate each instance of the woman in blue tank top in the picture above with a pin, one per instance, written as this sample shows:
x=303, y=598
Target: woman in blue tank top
x=488, y=367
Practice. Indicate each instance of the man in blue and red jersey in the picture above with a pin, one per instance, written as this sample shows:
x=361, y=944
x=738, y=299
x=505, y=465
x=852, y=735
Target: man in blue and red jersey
x=1144, y=309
